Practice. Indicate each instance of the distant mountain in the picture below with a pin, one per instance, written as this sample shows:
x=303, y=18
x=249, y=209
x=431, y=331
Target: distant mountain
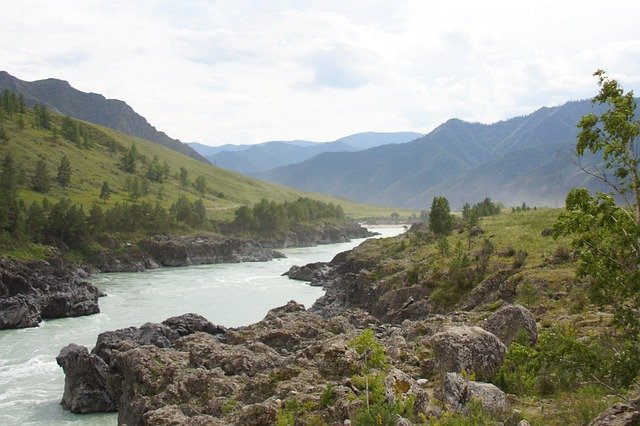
x=516, y=160
x=253, y=159
x=92, y=107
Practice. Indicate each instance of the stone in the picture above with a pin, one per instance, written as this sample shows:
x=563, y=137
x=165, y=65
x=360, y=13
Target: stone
x=622, y=414
x=85, y=385
x=399, y=386
x=458, y=392
x=190, y=323
x=509, y=321
x=19, y=312
x=470, y=349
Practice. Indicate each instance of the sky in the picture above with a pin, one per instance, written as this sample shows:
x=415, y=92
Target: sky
x=250, y=71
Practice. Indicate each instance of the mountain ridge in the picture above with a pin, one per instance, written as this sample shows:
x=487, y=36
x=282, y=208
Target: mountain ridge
x=116, y=114
x=452, y=160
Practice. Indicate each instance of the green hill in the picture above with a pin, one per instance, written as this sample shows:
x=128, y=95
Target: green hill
x=98, y=159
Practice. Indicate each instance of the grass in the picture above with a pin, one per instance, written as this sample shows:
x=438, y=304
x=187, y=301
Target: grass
x=91, y=166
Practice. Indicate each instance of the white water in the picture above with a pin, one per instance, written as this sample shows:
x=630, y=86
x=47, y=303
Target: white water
x=31, y=383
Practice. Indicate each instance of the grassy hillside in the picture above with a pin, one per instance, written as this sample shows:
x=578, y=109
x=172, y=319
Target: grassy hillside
x=100, y=161
x=572, y=388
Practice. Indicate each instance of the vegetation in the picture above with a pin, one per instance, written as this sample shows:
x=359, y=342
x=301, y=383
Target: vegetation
x=440, y=219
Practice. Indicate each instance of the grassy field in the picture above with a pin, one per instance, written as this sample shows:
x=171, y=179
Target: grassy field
x=100, y=162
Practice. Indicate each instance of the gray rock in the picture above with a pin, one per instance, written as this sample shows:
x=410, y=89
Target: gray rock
x=623, y=414
x=19, y=312
x=399, y=386
x=510, y=320
x=458, y=392
x=471, y=349
x=190, y=323
x=85, y=384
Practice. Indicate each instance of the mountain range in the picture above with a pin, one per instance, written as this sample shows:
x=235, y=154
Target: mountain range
x=254, y=159
x=62, y=98
x=522, y=159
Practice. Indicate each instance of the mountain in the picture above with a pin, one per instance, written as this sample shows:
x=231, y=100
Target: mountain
x=523, y=159
x=253, y=159
x=92, y=107
x=99, y=159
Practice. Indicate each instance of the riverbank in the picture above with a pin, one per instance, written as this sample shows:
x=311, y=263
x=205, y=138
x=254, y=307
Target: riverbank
x=234, y=295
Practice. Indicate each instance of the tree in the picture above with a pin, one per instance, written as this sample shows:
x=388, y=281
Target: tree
x=105, y=191
x=64, y=172
x=129, y=159
x=41, y=181
x=440, y=219
x=201, y=185
x=184, y=177
x=8, y=194
x=42, y=116
x=606, y=234
x=4, y=137
x=157, y=172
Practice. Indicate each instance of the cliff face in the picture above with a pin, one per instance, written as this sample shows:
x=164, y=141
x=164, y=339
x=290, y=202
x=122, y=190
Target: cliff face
x=95, y=108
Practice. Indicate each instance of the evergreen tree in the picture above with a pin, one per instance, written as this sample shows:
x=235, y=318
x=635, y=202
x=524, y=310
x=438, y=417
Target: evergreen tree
x=129, y=159
x=105, y=191
x=184, y=177
x=20, y=122
x=201, y=185
x=64, y=172
x=42, y=116
x=4, y=137
x=8, y=194
x=440, y=219
x=21, y=103
x=41, y=181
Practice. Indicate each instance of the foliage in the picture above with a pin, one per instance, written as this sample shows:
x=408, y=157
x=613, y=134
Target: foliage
x=269, y=217
x=440, y=219
x=156, y=171
x=522, y=208
x=606, y=236
x=372, y=351
x=184, y=177
x=9, y=211
x=41, y=181
x=129, y=159
x=42, y=116
x=475, y=415
x=105, y=191
x=561, y=362
x=200, y=185
x=64, y=172
x=482, y=209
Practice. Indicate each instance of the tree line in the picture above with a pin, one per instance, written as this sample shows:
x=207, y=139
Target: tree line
x=269, y=217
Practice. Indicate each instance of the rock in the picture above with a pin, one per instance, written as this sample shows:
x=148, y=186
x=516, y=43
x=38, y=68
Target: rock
x=190, y=323
x=171, y=415
x=36, y=289
x=19, y=312
x=258, y=415
x=547, y=232
x=509, y=321
x=85, y=385
x=313, y=272
x=399, y=386
x=622, y=414
x=458, y=392
x=475, y=231
x=403, y=422
x=110, y=340
x=471, y=349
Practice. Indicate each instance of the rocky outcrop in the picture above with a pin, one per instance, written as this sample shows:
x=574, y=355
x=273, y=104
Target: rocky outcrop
x=622, y=414
x=458, y=392
x=399, y=387
x=34, y=290
x=470, y=349
x=508, y=322
x=85, y=386
x=204, y=249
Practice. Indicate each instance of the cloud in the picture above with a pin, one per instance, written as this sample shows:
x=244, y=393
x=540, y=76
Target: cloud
x=246, y=71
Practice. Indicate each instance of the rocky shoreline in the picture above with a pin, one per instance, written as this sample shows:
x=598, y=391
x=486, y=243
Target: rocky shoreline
x=210, y=248
x=31, y=291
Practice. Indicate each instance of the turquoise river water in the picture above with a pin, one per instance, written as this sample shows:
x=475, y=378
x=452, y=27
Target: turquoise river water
x=31, y=383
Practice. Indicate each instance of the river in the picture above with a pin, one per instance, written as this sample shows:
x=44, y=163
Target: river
x=31, y=383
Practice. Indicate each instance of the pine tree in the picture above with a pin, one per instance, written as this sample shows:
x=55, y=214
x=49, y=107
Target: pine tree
x=440, y=220
x=201, y=185
x=129, y=160
x=105, y=191
x=184, y=177
x=4, y=137
x=41, y=180
x=64, y=172
x=8, y=194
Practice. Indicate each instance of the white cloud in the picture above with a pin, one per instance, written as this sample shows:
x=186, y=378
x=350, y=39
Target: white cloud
x=246, y=71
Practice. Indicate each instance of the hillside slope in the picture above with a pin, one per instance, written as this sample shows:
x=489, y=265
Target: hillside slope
x=100, y=161
x=253, y=159
x=516, y=160
x=95, y=108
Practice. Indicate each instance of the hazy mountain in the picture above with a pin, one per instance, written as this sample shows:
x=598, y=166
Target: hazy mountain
x=92, y=107
x=253, y=159
x=516, y=160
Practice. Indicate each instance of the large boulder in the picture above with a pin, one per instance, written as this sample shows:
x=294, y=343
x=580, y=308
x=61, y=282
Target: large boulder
x=622, y=414
x=458, y=392
x=470, y=349
x=85, y=384
x=399, y=387
x=509, y=321
x=190, y=323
